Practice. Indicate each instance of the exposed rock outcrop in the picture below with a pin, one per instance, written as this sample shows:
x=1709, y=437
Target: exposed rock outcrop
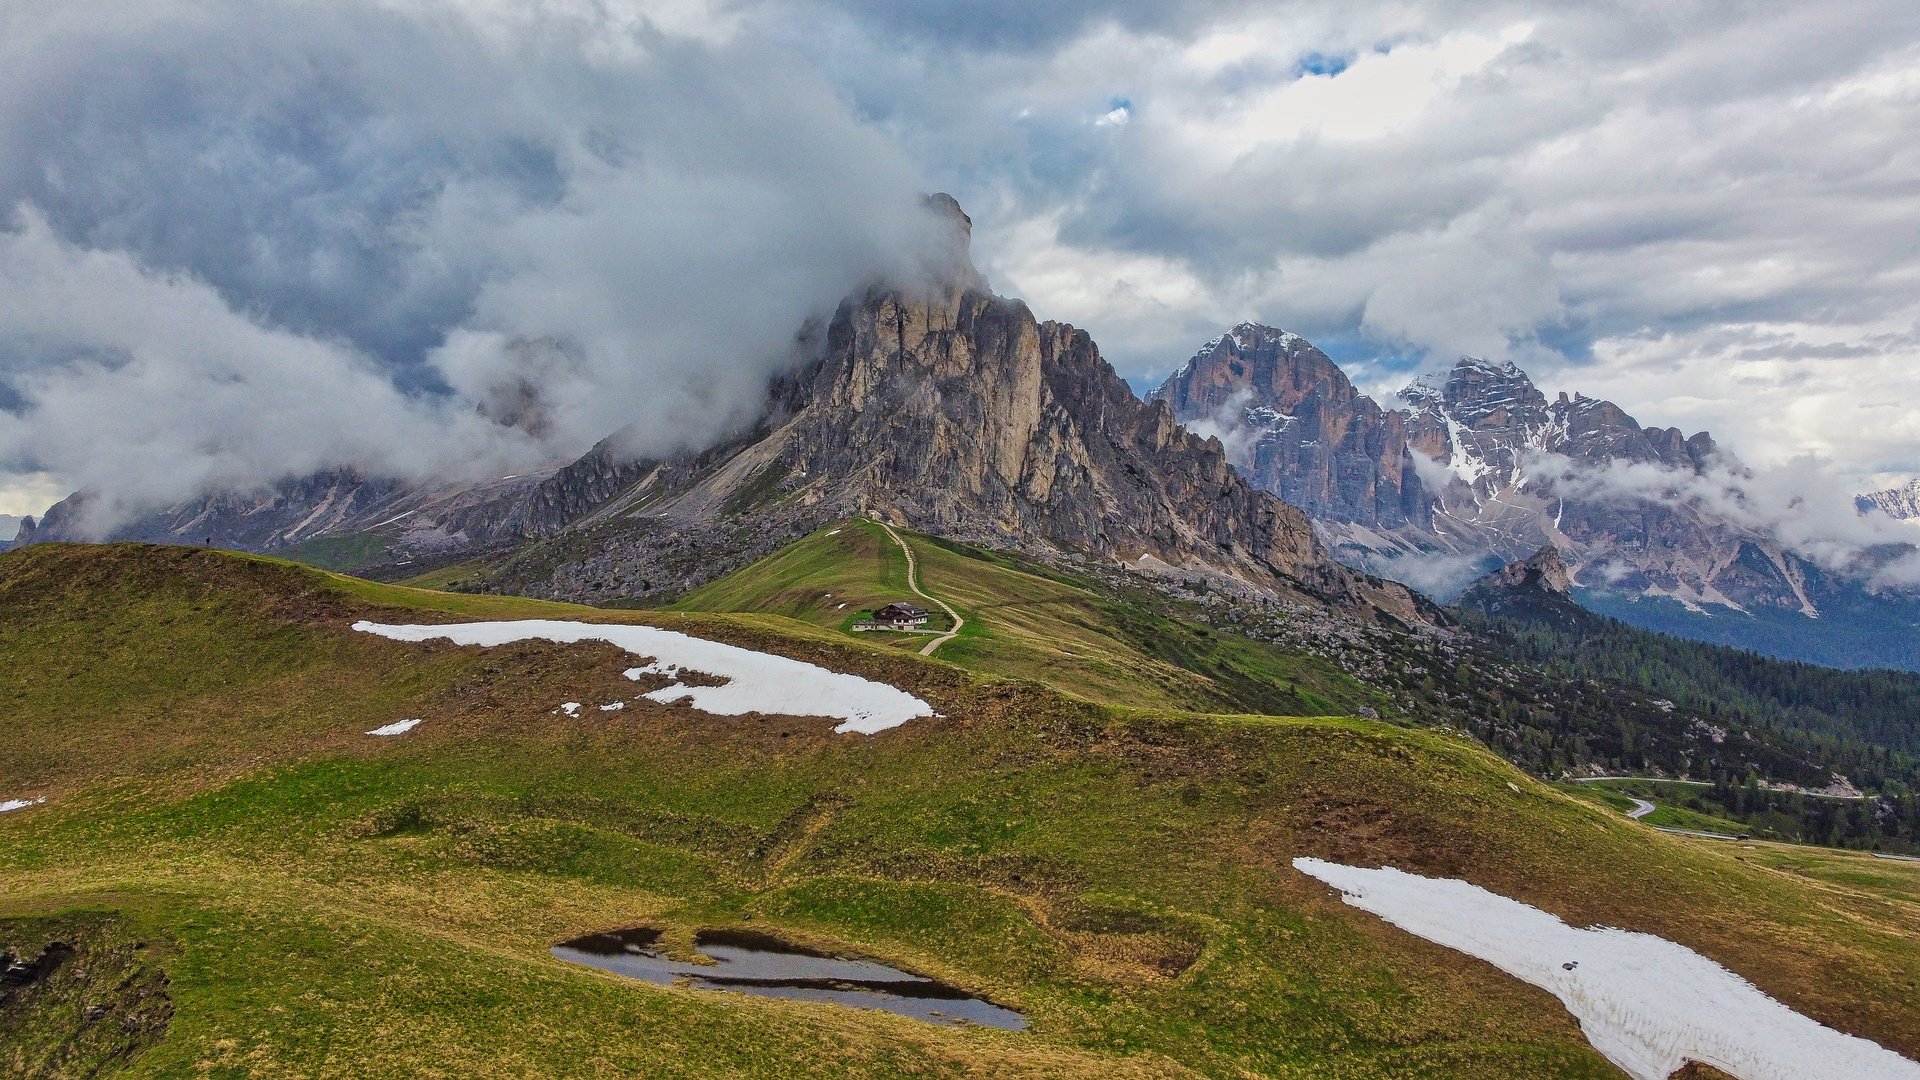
x=1535, y=587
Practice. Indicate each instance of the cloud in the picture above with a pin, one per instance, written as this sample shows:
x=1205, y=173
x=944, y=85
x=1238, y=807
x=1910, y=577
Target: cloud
x=253, y=239
x=1439, y=575
x=585, y=214
x=1228, y=423
x=1797, y=502
x=1551, y=183
x=147, y=388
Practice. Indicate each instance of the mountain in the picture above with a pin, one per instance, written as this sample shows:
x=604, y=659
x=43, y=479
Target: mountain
x=1298, y=428
x=1901, y=502
x=1476, y=468
x=933, y=404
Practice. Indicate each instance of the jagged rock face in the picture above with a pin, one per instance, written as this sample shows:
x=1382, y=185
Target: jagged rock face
x=1468, y=475
x=1901, y=503
x=961, y=414
x=1299, y=429
x=1504, y=451
x=1536, y=586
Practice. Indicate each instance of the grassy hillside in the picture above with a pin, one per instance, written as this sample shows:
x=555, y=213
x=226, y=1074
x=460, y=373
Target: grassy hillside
x=1022, y=625
x=256, y=888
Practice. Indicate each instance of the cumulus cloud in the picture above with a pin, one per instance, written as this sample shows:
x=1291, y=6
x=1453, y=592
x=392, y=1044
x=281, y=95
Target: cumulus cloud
x=577, y=215
x=1559, y=185
x=248, y=240
x=1796, y=503
x=144, y=387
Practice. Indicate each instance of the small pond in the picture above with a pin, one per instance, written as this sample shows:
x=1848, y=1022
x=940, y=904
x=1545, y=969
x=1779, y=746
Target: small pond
x=753, y=963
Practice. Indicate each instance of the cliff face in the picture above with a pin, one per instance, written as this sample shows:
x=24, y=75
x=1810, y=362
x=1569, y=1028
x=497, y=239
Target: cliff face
x=957, y=412
x=1303, y=431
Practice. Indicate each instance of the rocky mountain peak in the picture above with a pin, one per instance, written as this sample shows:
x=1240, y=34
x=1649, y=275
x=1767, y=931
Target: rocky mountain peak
x=1901, y=503
x=1252, y=365
x=1480, y=394
x=962, y=414
x=1294, y=423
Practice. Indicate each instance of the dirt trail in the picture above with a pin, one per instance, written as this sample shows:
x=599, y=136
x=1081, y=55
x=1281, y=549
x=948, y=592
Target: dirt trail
x=913, y=582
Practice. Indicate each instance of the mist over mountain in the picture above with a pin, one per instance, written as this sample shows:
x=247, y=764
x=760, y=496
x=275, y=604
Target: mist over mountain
x=925, y=400
x=418, y=241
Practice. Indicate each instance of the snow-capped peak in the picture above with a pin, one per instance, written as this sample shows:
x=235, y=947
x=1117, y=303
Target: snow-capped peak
x=1428, y=387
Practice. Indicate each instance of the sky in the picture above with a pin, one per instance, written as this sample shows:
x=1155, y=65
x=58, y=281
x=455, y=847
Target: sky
x=240, y=241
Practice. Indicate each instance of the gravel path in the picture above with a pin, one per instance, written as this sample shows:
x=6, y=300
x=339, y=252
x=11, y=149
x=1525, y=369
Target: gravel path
x=913, y=582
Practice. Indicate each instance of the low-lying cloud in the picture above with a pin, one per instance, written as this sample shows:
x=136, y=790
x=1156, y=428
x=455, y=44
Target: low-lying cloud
x=243, y=241
x=1798, y=504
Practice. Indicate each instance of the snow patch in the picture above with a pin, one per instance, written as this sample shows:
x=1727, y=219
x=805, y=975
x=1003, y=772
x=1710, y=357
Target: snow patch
x=398, y=727
x=1463, y=462
x=615, y=707
x=1646, y=1003
x=571, y=708
x=20, y=804
x=756, y=681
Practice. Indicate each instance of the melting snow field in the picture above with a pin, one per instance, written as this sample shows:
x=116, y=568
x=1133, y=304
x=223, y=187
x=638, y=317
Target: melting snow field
x=20, y=804
x=756, y=681
x=1648, y=1004
x=398, y=727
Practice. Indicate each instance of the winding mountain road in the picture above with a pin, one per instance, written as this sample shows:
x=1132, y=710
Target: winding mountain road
x=1641, y=808
x=913, y=582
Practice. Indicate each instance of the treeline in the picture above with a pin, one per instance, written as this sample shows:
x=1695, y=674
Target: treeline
x=1863, y=724
x=1888, y=822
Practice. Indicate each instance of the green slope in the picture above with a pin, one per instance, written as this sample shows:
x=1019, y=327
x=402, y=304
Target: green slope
x=323, y=903
x=1023, y=625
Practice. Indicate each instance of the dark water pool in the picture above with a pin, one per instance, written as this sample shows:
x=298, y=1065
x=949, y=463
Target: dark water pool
x=753, y=963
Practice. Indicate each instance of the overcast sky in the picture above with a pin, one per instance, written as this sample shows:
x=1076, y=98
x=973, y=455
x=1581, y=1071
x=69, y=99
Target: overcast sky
x=239, y=240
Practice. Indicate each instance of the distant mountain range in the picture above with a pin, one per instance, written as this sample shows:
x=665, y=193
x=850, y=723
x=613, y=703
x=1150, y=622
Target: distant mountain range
x=1475, y=468
x=936, y=405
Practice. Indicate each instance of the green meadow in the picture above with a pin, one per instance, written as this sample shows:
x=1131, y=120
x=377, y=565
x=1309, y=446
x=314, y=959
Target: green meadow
x=1092, y=832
